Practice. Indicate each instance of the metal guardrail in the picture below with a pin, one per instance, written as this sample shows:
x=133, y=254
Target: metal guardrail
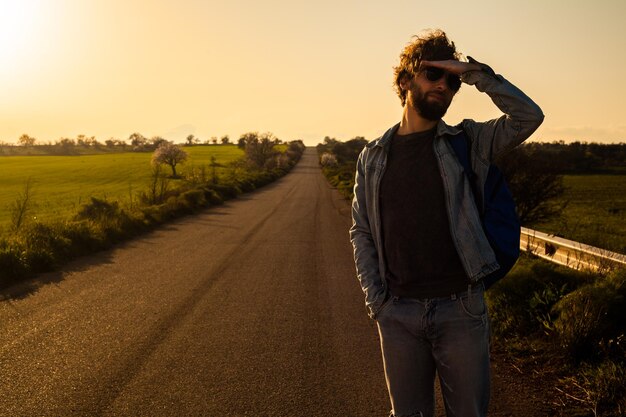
x=572, y=254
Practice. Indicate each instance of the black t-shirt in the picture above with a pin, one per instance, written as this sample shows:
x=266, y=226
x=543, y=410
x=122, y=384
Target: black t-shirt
x=422, y=261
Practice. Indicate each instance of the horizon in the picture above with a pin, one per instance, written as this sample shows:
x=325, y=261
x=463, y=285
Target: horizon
x=299, y=70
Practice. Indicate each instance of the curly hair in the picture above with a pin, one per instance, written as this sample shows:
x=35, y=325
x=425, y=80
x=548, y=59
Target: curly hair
x=433, y=45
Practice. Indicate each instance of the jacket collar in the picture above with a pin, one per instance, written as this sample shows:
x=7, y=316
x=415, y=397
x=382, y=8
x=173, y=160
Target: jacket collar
x=442, y=129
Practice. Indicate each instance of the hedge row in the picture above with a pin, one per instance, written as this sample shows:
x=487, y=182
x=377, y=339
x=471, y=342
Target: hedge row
x=41, y=247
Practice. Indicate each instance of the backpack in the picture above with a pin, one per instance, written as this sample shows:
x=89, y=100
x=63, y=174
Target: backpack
x=497, y=212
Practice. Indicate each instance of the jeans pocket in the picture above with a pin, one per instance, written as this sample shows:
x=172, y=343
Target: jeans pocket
x=473, y=305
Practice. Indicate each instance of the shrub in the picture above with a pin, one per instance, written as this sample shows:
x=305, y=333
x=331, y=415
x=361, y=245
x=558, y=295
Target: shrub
x=521, y=303
x=593, y=316
x=12, y=265
x=44, y=246
x=226, y=190
x=84, y=237
x=246, y=185
x=341, y=177
x=109, y=220
x=98, y=210
x=153, y=214
x=212, y=197
x=194, y=198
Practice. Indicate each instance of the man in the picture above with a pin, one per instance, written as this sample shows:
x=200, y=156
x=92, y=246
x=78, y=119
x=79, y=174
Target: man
x=419, y=247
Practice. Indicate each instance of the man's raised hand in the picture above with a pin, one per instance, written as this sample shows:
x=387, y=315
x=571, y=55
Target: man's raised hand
x=452, y=66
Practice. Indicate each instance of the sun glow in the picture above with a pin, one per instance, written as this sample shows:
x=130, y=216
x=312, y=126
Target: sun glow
x=207, y=67
x=21, y=27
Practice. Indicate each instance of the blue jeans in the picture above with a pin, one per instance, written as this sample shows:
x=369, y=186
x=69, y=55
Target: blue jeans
x=448, y=336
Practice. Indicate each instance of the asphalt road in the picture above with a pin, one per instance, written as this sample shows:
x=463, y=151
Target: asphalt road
x=249, y=309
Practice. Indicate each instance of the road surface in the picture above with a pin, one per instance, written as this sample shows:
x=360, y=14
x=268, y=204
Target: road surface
x=249, y=309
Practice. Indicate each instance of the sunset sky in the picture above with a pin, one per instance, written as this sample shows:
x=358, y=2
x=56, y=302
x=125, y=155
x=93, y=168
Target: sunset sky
x=300, y=69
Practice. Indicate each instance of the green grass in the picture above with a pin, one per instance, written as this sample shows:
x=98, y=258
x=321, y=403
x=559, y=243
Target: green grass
x=60, y=184
x=595, y=213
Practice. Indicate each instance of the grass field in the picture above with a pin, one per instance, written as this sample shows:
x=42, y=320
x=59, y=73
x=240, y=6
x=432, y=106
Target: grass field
x=62, y=183
x=595, y=212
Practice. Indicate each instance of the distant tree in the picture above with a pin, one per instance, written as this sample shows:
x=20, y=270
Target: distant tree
x=169, y=154
x=344, y=152
x=191, y=139
x=225, y=140
x=64, y=146
x=156, y=141
x=535, y=184
x=26, y=140
x=66, y=143
x=259, y=149
x=137, y=140
x=214, y=140
x=86, y=141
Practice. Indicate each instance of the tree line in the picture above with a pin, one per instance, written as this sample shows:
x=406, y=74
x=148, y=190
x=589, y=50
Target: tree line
x=136, y=142
x=578, y=157
x=259, y=149
x=534, y=171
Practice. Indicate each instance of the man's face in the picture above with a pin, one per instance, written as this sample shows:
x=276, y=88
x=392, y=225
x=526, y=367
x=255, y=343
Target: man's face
x=430, y=99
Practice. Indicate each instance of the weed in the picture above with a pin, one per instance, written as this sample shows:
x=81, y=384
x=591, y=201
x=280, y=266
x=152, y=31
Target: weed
x=21, y=207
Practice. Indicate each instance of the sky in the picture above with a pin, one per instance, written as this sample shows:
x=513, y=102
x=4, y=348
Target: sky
x=299, y=69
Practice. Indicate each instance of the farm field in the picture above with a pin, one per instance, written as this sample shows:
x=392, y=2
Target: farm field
x=595, y=212
x=60, y=184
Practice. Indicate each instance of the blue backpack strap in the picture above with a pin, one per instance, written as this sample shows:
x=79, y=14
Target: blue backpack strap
x=497, y=210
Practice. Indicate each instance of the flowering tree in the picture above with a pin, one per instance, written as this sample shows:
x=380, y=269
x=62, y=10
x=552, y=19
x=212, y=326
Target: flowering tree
x=169, y=154
x=328, y=159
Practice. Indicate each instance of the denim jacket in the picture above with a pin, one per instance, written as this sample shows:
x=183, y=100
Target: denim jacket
x=488, y=139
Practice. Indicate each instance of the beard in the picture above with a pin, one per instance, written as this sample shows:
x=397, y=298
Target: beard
x=430, y=110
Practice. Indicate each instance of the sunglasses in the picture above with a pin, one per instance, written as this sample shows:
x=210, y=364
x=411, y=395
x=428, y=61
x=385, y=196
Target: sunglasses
x=434, y=74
